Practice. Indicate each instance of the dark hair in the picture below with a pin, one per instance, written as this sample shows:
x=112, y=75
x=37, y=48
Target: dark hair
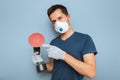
x=57, y=6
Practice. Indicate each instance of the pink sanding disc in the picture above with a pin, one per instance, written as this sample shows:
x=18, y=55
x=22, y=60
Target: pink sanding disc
x=36, y=39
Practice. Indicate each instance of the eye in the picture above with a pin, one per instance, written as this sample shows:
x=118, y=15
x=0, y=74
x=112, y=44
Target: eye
x=60, y=18
x=53, y=22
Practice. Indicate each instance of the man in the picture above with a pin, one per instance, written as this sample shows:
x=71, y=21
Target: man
x=72, y=53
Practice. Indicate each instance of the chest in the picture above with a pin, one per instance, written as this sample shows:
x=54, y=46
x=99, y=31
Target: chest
x=73, y=47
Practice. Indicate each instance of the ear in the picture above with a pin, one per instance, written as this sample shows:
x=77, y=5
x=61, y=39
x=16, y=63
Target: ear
x=68, y=16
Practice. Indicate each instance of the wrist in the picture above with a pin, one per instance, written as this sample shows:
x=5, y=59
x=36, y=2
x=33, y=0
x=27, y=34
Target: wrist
x=64, y=56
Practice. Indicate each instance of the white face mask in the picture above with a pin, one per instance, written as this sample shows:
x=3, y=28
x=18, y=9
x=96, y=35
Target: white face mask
x=61, y=27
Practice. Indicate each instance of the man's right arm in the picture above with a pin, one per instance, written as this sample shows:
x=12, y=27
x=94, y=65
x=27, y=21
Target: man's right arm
x=50, y=65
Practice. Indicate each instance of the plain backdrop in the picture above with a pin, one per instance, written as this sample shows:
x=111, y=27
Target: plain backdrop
x=20, y=18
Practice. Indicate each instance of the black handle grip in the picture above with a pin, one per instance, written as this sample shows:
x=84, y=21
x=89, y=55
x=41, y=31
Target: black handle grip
x=37, y=49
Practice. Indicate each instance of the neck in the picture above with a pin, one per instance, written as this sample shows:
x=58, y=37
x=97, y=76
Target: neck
x=67, y=34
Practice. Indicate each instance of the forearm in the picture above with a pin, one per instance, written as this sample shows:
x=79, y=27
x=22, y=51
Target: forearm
x=49, y=65
x=81, y=67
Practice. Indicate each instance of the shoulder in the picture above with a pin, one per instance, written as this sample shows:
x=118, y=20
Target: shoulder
x=82, y=35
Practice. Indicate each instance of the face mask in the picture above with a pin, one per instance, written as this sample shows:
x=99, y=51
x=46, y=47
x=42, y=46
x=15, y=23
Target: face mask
x=61, y=27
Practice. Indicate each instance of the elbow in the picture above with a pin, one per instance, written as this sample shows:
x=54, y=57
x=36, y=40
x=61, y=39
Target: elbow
x=92, y=75
x=49, y=69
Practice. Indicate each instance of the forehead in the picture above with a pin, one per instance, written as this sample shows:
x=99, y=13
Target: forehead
x=56, y=14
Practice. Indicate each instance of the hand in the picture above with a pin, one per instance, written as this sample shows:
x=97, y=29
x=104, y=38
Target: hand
x=36, y=58
x=54, y=52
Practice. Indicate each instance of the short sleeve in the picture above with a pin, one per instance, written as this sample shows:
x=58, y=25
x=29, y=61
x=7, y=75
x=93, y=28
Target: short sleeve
x=89, y=46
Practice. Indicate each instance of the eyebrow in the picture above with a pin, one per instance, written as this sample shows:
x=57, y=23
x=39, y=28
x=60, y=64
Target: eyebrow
x=56, y=20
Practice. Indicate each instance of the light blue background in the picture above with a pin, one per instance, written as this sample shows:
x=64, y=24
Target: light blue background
x=19, y=18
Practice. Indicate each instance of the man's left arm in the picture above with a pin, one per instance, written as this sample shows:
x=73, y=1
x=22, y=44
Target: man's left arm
x=87, y=67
